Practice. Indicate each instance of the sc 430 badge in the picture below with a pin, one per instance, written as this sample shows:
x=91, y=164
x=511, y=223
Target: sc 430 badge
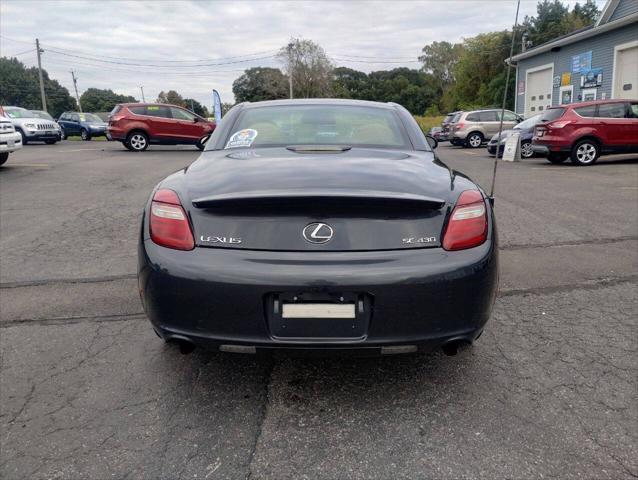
x=419, y=240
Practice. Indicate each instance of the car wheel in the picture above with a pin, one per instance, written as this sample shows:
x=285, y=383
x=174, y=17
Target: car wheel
x=128, y=147
x=526, y=150
x=24, y=138
x=585, y=152
x=50, y=142
x=85, y=135
x=4, y=156
x=137, y=141
x=474, y=140
x=556, y=158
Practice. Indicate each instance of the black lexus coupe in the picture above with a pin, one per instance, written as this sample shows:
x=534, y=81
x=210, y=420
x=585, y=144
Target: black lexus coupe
x=318, y=225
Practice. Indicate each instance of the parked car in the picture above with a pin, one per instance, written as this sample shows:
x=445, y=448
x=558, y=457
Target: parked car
x=86, y=125
x=137, y=125
x=10, y=140
x=473, y=128
x=525, y=129
x=584, y=131
x=32, y=127
x=435, y=132
x=316, y=182
x=445, y=125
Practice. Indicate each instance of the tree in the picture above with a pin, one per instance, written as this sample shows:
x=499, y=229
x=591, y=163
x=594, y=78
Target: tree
x=194, y=106
x=413, y=89
x=171, y=97
x=260, y=83
x=554, y=19
x=349, y=83
x=481, y=71
x=102, y=100
x=20, y=86
x=310, y=67
x=440, y=60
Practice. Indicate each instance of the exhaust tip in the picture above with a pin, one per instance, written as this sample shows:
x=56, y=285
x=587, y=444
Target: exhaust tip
x=185, y=346
x=454, y=347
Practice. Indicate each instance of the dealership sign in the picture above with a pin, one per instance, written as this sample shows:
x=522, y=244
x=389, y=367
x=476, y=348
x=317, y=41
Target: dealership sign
x=591, y=78
x=581, y=62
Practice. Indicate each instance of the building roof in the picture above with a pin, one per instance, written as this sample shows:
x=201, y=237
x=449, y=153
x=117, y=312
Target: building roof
x=602, y=25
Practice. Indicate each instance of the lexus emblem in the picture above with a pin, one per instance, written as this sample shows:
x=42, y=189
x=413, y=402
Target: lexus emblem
x=318, y=232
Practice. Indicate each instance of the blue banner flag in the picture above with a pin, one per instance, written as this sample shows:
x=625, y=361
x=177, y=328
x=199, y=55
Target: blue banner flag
x=217, y=107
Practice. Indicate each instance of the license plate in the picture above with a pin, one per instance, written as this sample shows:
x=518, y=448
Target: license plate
x=317, y=310
x=48, y=132
x=11, y=143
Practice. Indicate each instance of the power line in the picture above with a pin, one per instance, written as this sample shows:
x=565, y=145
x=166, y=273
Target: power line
x=20, y=53
x=154, y=65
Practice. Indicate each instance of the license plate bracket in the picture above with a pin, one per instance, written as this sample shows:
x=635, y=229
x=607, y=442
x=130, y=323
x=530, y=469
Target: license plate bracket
x=314, y=316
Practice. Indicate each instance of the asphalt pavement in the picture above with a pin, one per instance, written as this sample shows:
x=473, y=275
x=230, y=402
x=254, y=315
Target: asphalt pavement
x=88, y=391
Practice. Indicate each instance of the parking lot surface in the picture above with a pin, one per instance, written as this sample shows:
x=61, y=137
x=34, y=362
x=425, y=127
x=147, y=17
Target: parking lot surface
x=88, y=391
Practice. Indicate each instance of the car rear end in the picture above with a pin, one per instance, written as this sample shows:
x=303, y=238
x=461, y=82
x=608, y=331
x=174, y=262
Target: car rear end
x=553, y=135
x=284, y=292
x=453, y=127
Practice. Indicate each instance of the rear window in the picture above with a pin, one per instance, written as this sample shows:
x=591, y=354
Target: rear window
x=138, y=110
x=116, y=109
x=317, y=125
x=552, y=114
x=589, y=111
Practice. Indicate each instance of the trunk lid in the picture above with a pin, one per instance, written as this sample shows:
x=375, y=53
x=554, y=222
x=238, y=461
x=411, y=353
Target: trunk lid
x=276, y=199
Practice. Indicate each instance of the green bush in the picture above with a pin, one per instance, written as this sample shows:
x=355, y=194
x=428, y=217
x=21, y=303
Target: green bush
x=426, y=123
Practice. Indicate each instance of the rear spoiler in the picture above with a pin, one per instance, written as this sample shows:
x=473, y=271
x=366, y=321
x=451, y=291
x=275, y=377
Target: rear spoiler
x=363, y=196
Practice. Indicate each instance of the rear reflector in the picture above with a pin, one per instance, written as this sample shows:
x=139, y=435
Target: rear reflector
x=169, y=225
x=467, y=227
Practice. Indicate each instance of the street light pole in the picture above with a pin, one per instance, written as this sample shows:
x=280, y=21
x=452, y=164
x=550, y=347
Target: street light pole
x=142, y=89
x=39, y=51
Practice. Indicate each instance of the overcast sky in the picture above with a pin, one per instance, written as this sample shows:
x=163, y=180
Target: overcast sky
x=103, y=40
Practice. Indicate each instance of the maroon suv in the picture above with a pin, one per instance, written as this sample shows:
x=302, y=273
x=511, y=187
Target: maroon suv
x=137, y=125
x=582, y=131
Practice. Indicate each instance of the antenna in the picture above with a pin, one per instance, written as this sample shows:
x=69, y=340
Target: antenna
x=507, y=82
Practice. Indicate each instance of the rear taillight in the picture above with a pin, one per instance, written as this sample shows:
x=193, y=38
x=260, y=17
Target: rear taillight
x=460, y=126
x=467, y=227
x=169, y=224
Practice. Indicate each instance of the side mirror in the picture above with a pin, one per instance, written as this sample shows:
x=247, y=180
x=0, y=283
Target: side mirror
x=197, y=120
x=432, y=141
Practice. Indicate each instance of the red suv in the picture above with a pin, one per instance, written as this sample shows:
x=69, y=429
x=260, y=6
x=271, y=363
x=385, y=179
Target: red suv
x=137, y=125
x=582, y=131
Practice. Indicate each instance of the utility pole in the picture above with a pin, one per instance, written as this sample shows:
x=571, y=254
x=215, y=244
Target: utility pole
x=75, y=85
x=44, y=98
x=142, y=89
x=290, y=45
x=192, y=106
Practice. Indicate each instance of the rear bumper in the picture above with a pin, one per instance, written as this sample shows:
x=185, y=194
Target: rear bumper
x=422, y=297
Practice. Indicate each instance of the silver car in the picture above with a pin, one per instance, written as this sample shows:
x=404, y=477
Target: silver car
x=32, y=127
x=475, y=127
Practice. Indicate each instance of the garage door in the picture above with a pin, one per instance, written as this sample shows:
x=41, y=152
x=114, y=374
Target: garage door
x=538, y=95
x=626, y=73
